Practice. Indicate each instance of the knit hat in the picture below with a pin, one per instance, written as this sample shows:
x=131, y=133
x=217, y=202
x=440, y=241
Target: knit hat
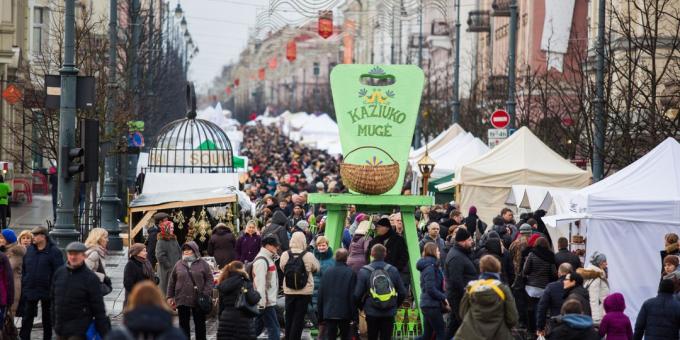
x=462, y=235
x=525, y=229
x=302, y=224
x=472, y=210
x=135, y=249
x=9, y=235
x=597, y=258
x=383, y=222
x=360, y=217
x=363, y=227
x=666, y=286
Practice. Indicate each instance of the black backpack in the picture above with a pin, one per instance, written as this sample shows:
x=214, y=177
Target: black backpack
x=381, y=291
x=295, y=272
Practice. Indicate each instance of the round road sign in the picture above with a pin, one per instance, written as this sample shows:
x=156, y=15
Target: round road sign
x=500, y=119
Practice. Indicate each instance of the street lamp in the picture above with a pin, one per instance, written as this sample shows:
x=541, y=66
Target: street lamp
x=183, y=24
x=187, y=35
x=426, y=166
x=178, y=11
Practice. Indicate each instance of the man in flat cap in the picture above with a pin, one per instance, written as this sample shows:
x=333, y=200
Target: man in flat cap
x=152, y=236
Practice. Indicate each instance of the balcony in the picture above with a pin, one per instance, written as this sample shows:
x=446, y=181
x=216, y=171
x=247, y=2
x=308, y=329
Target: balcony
x=479, y=21
x=497, y=87
x=501, y=8
x=439, y=28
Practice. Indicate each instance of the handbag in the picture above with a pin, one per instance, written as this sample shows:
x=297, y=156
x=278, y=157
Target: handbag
x=106, y=286
x=203, y=302
x=9, y=330
x=245, y=304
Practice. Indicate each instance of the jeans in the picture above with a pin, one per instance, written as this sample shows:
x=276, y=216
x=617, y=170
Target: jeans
x=185, y=313
x=521, y=302
x=296, y=309
x=335, y=328
x=433, y=324
x=268, y=320
x=30, y=312
x=380, y=327
x=531, y=314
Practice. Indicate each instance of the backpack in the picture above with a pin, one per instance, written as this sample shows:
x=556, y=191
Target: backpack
x=273, y=232
x=295, y=272
x=381, y=291
x=250, y=265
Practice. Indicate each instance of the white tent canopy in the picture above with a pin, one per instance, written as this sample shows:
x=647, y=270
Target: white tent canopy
x=443, y=139
x=629, y=211
x=521, y=159
x=460, y=150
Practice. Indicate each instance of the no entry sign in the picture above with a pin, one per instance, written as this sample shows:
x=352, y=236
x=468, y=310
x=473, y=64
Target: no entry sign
x=500, y=119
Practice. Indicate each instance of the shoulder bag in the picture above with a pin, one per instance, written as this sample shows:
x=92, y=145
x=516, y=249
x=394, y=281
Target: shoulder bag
x=247, y=301
x=203, y=302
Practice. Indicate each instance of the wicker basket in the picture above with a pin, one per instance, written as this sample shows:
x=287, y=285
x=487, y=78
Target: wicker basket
x=370, y=179
x=578, y=239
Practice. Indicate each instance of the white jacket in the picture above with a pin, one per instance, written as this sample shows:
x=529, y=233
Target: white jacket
x=265, y=278
x=595, y=281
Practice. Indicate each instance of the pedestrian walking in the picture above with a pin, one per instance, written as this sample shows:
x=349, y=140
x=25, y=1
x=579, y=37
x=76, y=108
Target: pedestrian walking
x=248, y=245
x=659, y=317
x=552, y=299
x=397, y=253
x=190, y=277
x=221, y=245
x=15, y=253
x=572, y=324
x=137, y=269
x=358, y=248
x=573, y=289
x=266, y=282
x=458, y=271
x=168, y=253
x=432, y=296
x=41, y=261
x=278, y=229
x=595, y=281
x=95, y=256
x=615, y=324
x=433, y=236
x=146, y=316
x=564, y=255
x=336, y=307
x=375, y=282
x=298, y=266
x=77, y=298
x=488, y=309
x=5, y=193
x=26, y=238
x=233, y=322
x=324, y=254
x=539, y=270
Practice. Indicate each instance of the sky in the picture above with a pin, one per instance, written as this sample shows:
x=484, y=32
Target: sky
x=220, y=30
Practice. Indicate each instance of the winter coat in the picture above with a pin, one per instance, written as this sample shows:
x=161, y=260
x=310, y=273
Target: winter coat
x=358, y=249
x=658, y=319
x=298, y=245
x=151, y=240
x=168, y=253
x=278, y=230
x=615, y=325
x=147, y=322
x=326, y=261
x=361, y=290
x=439, y=242
x=233, y=323
x=458, y=271
x=247, y=247
x=581, y=294
x=221, y=246
x=15, y=253
x=432, y=292
x=487, y=314
x=397, y=253
x=336, y=294
x=474, y=224
x=517, y=250
x=565, y=256
x=493, y=247
x=265, y=278
x=133, y=273
x=6, y=282
x=572, y=327
x=76, y=300
x=38, y=270
x=180, y=285
x=95, y=260
x=539, y=268
x=595, y=281
x=550, y=303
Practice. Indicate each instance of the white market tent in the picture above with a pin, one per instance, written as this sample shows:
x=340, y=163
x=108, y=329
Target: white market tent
x=443, y=139
x=628, y=214
x=448, y=157
x=521, y=159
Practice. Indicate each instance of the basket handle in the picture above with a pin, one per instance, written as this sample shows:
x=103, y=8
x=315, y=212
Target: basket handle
x=372, y=147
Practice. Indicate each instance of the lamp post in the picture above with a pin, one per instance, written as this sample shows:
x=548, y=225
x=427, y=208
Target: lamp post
x=64, y=228
x=455, y=103
x=512, y=46
x=598, y=150
x=426, y=166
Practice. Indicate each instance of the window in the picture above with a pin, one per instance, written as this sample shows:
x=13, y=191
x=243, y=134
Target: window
x=39, y=29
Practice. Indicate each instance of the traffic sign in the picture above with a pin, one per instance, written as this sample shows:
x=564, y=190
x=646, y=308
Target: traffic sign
x=500, y=119
x=497, y=133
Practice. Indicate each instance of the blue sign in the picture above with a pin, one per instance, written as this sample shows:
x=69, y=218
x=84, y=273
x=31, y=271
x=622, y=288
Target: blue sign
x=136, y=139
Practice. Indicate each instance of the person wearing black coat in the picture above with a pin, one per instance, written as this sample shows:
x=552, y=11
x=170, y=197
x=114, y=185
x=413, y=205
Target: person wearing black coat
x=552, y=299
x=573, y=289
x=432, y=295
x=540, y=225
x=539, y=270
x=234, y=323
x=563, y=255
x=397, y=253
x=458, y=271
x=659, y=317
x=572, y=324
x=137, y=269
x=278, y=228
x=77, y=297
x=152, y=236
x=336, y=306
x=222, y=245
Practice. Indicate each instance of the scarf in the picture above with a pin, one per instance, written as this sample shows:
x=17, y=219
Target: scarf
x=147, y=270
x=189, y=259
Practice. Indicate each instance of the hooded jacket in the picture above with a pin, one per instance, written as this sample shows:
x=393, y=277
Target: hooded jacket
x=278, y=229
x=572, y=327
x=486, y=313
x=147, y=322
x=180, y=285
x=221, y=245
x=298, y=244
x=358, y=249
x=431, y=283
x=595, y=281
x=615, y=325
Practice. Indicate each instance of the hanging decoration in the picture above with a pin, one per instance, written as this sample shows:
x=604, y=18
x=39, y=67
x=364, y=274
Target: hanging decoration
x=203, y=226
x=191, y=233
x=291, y=51
x=272, y=63
x=178, y=218
x=260, y=73
x=325, y=24
x=12, y=94
x=237, y=81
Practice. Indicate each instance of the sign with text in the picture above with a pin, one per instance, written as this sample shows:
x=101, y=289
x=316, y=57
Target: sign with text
x=497, y=133
x=376, y=108
x=189, y=158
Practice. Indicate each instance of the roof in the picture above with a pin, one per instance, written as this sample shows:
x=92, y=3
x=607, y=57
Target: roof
x=444, y=138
